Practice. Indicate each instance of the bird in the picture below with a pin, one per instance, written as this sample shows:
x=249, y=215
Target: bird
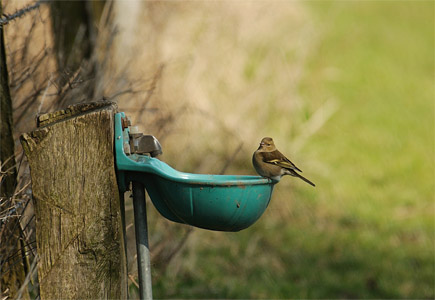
x=270, y=163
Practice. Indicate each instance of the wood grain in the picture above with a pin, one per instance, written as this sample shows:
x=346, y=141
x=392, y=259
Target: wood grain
x=77, y=206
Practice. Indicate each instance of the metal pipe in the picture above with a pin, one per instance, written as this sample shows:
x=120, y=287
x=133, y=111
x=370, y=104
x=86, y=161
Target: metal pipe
x=143, y=250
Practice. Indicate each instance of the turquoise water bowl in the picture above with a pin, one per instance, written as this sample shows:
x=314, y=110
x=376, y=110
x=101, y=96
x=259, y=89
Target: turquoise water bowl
x=215, y=202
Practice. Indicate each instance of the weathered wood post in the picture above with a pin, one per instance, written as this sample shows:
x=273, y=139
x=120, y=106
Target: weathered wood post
x=79, y=232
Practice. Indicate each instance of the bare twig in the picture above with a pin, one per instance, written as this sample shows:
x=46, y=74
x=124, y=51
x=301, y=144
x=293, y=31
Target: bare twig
x=133, y=280
x=30, y=274
x=231, y=159
x=41, y=102
x=19, y=13
x=317, y=120
x=157, y=76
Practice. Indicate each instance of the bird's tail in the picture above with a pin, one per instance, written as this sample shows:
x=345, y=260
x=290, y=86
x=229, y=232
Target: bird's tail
x=295, y=174
x=305, y=179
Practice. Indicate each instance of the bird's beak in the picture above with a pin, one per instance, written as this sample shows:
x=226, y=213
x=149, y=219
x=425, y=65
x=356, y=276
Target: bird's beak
x=261, y=144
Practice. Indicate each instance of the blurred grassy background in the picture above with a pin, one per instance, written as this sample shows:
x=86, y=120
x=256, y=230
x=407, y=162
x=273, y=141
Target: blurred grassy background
x=346, y=89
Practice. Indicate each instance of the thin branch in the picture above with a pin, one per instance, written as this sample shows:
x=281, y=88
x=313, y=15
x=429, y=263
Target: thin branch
x=157, y=76
x=31, y=273
x=316, y=121
x=231, y=159
x=133, y=280
x=19, y=13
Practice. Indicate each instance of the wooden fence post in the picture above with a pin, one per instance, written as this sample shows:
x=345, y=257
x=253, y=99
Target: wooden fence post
x=79, y=232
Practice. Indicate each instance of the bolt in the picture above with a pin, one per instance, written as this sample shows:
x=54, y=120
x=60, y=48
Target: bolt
x=124, y=123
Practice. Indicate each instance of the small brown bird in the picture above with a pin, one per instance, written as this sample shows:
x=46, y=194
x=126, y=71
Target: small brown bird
x=270, y=163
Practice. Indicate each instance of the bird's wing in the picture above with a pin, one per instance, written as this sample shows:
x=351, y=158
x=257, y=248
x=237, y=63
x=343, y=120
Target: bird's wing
x=277, y=158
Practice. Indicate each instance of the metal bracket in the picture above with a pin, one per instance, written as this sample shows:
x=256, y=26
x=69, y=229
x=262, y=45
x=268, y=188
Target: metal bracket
x=138, y=142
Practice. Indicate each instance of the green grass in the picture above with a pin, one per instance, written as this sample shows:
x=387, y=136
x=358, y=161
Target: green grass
x=367, y=230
